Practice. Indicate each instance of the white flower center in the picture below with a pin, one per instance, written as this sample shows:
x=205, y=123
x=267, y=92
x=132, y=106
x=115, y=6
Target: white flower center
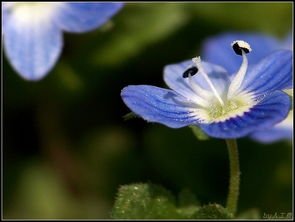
x=212, y=106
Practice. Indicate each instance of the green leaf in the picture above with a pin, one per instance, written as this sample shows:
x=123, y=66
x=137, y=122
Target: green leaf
x=144, y=201
x=199, y=133
x=130, y=115
x=212, y=211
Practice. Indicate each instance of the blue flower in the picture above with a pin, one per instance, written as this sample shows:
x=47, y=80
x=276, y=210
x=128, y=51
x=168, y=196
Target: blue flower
x=33, y=37
x=223, y=102
x=216, y=47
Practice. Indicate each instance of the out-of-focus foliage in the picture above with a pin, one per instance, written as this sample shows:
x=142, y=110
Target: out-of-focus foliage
x=250, y=214
x=144, y=201
x=67, y=149
x=149, y=201
x=212, y=211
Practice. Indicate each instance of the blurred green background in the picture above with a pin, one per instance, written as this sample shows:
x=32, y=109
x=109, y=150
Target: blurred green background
x=67, y=149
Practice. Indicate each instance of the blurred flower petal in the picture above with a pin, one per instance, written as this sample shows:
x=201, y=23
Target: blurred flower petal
x=33, y=31
x=272, y=135
x=82, y=17
x=32, y=42
x=218, y=49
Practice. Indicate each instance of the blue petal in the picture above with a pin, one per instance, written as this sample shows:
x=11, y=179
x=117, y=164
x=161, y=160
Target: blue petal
x=273, y=135
x=218, y=49
x=288, y=42
x=173, y=77
x=5, y=11
x=271, y=110
x=274, y=72
x=82, y=17
x=159, y=105
x=32, y=47
x=281, y=131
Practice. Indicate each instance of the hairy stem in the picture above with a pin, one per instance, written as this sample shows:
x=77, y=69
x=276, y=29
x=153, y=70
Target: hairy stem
x=234, y=183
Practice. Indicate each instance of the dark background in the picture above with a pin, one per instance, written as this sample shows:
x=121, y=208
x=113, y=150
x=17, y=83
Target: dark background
x=67, y=148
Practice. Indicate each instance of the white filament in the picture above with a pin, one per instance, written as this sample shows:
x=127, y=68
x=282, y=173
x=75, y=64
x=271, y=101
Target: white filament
x=197, y=60
x=201, y=93
x=199, y=90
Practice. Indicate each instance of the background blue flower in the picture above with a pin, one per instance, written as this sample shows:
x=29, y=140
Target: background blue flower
x=33, y=38
x=215, y=49
x=281, y=131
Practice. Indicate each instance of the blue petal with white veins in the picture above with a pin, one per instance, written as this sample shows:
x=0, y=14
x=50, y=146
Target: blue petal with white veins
x=271, y=110
x=218, y=49
x=31, y=41
x=82, y=17
x=174, y=79
x=274, y=72
x=159, y=105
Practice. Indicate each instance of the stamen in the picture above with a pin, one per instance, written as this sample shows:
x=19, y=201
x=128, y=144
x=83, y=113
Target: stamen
x=197, y=60
x=190, y=72
x=243, y=47
x=239, y=46
x=201, y=94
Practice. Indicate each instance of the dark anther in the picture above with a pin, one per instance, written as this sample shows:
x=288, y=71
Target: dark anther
x=238, y=49
x=190, y=72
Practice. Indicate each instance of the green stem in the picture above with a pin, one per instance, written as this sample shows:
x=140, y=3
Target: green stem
x=234, y=183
